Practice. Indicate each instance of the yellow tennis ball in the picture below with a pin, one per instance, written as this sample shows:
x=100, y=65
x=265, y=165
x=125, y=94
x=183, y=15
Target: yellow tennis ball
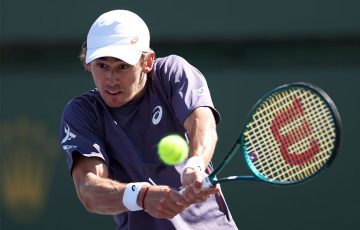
x=173, y=149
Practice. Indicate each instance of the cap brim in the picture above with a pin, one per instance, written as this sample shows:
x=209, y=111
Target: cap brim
x=123, y=53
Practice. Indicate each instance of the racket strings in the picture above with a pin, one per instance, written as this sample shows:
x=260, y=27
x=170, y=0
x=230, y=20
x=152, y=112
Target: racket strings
x=269, y=161
x=269, y=164
x=320, y=119
x=302, y=145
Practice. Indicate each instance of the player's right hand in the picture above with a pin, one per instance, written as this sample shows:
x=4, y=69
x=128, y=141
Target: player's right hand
x=164, y=202
x=192, y=184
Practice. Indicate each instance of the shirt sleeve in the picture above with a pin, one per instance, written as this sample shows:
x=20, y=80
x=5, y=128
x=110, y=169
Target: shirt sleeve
x=185, y=86
x=81, y=132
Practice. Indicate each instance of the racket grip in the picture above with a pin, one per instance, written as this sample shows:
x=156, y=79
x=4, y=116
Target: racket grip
x=205, y=184
x=181, y=191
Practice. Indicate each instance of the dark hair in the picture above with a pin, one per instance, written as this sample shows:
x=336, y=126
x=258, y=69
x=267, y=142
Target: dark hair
x=82, y=55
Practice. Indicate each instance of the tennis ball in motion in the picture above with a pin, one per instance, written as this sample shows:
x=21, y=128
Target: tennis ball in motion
x=173, y=149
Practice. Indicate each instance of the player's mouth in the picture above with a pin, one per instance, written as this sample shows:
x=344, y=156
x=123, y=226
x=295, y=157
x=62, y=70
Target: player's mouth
x=113, y=92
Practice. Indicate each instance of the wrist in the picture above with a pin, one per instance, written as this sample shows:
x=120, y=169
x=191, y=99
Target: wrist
x=131, y=195
x=141, y=197
x=196, y=163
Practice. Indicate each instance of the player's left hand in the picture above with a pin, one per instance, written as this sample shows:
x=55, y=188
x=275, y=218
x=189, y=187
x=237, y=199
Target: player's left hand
x=192, y=182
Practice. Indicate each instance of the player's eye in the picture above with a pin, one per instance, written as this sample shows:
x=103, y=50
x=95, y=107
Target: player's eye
x=124, y=66
x=101, y=65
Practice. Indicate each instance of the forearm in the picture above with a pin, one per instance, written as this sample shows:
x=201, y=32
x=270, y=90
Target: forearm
x=201, y=129
x=101, y=195
x=203, y=142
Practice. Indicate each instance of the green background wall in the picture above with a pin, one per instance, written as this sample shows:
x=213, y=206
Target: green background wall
x=244, y=48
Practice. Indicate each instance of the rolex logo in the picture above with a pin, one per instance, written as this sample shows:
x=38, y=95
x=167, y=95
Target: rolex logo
x=28, y=154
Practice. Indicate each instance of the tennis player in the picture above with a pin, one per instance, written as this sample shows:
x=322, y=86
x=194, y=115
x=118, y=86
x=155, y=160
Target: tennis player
x=110, y=134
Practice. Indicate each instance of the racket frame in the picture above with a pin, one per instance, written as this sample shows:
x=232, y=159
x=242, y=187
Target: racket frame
x=212, y=180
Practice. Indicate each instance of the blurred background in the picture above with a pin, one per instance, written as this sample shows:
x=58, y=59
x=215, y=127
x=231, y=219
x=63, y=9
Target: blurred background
x=244, y=48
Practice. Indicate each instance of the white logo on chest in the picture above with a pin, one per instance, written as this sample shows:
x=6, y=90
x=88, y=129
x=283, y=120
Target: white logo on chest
x=157, y=115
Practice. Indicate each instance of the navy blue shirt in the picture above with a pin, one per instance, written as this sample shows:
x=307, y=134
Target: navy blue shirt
x=126, y=139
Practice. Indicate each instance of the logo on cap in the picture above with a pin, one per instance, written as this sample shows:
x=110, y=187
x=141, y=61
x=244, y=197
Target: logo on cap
x=134, y=40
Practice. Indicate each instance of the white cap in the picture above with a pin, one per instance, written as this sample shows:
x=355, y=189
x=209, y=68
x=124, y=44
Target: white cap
x=120, y=34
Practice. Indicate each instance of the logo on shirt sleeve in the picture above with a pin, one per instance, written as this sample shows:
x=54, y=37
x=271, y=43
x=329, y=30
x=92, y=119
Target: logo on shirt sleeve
x=69, y=135
x=200, y=91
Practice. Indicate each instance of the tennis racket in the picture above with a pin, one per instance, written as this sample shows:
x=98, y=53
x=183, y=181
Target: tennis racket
x=290, y=135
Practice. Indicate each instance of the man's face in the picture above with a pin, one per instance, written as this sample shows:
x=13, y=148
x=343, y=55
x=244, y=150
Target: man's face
x=117, y=81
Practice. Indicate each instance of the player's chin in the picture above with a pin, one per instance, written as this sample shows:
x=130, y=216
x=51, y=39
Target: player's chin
x=113, y=104
x=113, y=101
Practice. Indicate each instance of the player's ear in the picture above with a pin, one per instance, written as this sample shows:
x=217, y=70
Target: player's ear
x=82, y=56
x=148, y=62
x=87, y=67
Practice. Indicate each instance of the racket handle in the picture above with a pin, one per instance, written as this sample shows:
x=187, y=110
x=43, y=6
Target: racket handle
x=205, y=184
x=181, y=191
